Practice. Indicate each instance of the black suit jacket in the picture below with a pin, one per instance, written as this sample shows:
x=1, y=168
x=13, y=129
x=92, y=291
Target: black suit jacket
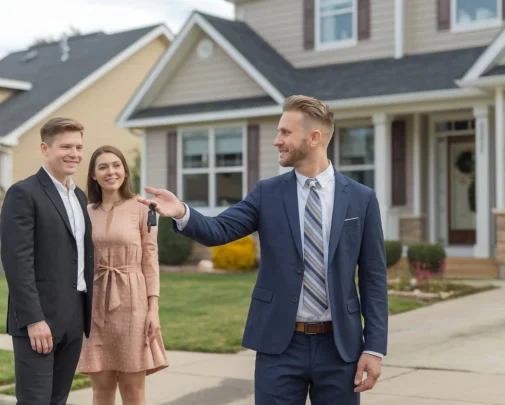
x=39, y=255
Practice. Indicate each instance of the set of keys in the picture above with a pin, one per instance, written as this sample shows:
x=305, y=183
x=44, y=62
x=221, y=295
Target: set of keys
x=151, y=217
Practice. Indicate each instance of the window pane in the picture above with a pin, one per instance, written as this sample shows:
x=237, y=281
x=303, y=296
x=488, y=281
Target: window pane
x=469, y=11
x=334, y=5
x=229, y=147
x=195, y=149
x=228, y=188
x=365, y=177
x=196, y=189
x=356, y=146
x=336, y=27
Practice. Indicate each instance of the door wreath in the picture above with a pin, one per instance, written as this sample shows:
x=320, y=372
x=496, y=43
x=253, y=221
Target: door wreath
x=465, y=163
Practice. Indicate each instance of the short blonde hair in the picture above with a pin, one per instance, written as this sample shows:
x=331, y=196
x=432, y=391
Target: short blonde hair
x=58, y=125
x=313, y=108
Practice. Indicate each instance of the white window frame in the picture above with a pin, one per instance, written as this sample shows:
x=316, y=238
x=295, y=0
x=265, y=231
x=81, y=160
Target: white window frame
x=476, y=25
x=212, y=170
x=351, y=168
x=343, y=43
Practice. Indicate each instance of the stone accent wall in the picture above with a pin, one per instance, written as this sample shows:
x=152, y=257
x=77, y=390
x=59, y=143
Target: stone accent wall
x=412, y=229
x=500, y=236
x=199, y=252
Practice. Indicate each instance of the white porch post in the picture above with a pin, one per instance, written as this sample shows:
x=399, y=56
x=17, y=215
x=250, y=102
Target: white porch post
x=143, y=163
x=432, y=172
x=417, y=168
x=382, y=174
x=482, y=173
x=499, y=148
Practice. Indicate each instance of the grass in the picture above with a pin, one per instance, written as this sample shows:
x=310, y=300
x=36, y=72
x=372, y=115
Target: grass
x=207, y=312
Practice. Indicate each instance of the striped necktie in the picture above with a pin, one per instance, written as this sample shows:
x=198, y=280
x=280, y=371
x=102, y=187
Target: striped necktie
x=314, y=283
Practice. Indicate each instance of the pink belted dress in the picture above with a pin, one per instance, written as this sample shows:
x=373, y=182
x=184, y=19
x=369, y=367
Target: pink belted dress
x=126, y=274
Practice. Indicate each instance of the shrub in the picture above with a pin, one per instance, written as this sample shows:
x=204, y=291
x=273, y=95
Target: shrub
x=173, y=248
x=426, y=260
x=393, y=252
x=237, y=255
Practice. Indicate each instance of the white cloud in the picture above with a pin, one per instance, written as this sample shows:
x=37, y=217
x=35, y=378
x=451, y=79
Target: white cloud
x=23, y=21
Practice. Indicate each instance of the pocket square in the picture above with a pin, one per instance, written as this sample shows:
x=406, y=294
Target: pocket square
x=350, y=219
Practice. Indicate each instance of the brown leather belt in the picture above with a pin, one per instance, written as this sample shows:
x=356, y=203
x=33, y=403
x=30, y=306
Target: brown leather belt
x=313, y=328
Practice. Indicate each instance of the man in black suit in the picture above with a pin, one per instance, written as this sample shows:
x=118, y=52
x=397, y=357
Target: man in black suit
x=47, y=253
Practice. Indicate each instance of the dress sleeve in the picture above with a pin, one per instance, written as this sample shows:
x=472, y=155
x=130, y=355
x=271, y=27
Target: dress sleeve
x=150, y=263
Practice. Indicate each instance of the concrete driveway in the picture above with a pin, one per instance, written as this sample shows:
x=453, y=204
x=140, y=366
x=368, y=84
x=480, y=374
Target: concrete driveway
x=452, y=353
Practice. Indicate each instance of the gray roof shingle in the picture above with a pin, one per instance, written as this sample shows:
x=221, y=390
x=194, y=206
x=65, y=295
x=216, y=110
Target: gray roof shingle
x=379, y=77
x=51, y=77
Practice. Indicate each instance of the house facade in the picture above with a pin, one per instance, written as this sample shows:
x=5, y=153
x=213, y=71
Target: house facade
x=417, y=87
x=85, y=77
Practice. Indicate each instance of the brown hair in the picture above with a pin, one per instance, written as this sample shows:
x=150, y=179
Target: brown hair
x=58, y=125
x=312, y=108
x=94, y=190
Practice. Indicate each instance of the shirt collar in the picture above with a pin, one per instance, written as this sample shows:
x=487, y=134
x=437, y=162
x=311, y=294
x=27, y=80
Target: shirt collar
x=60, y=186
x=323, y=178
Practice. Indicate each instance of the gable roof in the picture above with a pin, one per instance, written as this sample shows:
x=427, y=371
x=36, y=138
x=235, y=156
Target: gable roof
x=422, y=73
x=55, y=82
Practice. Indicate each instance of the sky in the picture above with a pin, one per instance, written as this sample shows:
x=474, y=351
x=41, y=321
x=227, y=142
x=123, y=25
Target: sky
x=23, y=21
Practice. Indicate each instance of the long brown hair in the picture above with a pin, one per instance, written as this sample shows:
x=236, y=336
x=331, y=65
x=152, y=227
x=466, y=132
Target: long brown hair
x=93, y=189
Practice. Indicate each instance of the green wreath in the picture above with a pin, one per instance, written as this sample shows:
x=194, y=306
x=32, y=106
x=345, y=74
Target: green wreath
x=466, y=165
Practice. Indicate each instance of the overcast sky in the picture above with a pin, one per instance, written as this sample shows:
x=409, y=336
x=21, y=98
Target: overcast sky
x=23, y=21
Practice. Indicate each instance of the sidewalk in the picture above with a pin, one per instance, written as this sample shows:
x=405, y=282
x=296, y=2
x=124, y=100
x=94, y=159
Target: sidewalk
x=450, y=353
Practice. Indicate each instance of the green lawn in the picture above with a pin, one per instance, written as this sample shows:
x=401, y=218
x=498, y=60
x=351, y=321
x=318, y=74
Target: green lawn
x=207, y=312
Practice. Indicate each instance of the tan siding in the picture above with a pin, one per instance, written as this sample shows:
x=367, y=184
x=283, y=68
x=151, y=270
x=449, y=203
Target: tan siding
x=156, y=157
x=426, y=38
x=96, y=108
x=5, y=94
x=216, y=78
x=280, y=23
x=268, y=155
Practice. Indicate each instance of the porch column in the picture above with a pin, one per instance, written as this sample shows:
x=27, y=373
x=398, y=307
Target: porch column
x=143, y=163
x=482, y=247
x=499, y=210
x=382, y=158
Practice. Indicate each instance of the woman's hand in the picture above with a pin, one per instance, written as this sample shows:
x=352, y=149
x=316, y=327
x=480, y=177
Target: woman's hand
x=152, y=325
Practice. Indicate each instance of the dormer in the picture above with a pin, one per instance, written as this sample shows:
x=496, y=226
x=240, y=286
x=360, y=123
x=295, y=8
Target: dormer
x=10, y=87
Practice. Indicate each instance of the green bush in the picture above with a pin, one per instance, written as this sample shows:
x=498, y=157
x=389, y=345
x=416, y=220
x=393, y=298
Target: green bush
x=393, y=252
x=173, y=248
x=426, y=258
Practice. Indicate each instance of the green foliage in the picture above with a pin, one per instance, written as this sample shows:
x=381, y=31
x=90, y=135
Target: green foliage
x=173, y=248
x=393, y=252
x=427, y=257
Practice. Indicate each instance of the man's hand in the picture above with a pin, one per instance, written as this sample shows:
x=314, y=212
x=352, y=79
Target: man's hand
x=372, y=365
x=40, y=337
x=166, y=203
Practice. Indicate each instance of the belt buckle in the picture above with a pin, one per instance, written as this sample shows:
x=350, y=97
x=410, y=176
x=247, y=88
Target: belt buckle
x=312, y=324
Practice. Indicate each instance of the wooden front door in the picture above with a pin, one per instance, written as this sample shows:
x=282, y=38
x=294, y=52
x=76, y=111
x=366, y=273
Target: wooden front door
x=461, y=190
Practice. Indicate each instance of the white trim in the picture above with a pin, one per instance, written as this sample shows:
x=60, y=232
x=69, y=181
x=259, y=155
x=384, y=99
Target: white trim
x=399, y=28
x=195, y=21
x=143, y=163
x=500, y=148
x=482, y=248
x=432, y=193
x=340, y=105
x=12, y=137
x=382, y=161
x=15, y=84
x=417, y=165
x=6, y=168
x=211, y=170
x=343, y=43
x=475, y=25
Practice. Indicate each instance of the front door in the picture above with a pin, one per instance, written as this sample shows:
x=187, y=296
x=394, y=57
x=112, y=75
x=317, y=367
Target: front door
x=461, y=190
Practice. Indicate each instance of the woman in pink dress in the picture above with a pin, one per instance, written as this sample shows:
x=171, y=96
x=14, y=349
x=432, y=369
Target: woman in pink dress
x=125, y=343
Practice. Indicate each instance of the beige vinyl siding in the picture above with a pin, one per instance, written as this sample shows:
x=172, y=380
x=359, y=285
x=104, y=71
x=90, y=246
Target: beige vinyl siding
x=217, y=78
x=156, y=157
x=5, y=94
x=280, y=23
x=425, y=37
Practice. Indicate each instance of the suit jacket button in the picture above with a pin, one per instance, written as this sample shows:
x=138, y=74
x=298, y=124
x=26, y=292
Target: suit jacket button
x=299, y=271
x=295, y=299
x=74, y=261
x=74, y=285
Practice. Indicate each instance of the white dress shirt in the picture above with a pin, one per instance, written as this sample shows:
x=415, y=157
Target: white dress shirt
x=327, y=194
x=76, y=218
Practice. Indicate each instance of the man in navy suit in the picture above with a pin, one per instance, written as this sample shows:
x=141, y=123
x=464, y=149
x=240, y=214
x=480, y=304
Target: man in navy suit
x=315, y=226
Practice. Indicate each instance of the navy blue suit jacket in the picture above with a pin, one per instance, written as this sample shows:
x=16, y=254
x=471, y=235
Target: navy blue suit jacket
x=271, y=208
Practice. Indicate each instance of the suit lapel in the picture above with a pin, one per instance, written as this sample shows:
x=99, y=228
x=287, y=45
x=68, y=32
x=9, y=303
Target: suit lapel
x=340, y=203
x=290, y=197
x=54, y=196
